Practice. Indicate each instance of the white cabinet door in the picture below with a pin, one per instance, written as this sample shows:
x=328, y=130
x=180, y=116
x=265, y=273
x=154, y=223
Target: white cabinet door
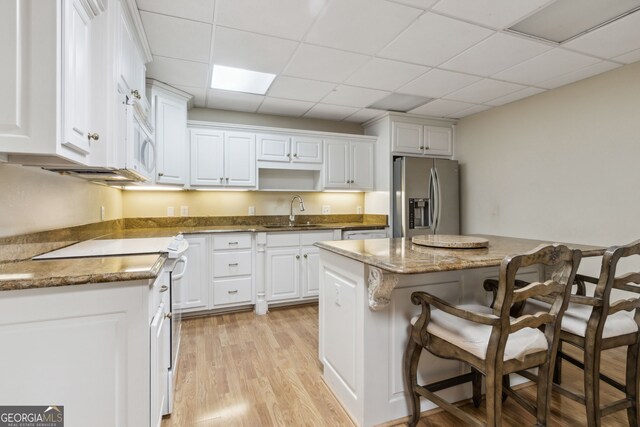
x=207, y=157
x=407, y=137
x=283, y=272
x=159, y=364
x=195, y=282
x=438, y=141
x=336, y=166
x=310, y=271
x=171, y=140
x=240, y=159
x=306, y=149
x=274, y=148
x=361, y=165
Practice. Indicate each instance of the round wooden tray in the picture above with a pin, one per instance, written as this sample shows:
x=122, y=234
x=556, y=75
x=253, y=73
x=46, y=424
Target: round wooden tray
x=450, y=241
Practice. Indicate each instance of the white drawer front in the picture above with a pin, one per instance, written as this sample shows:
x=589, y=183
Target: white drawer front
x=226, y=264
x=309, y=238
x=232, y=241
x=275, y=240
x=232, y=291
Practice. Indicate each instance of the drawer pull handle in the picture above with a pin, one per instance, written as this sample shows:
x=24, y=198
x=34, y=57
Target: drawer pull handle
x=233, y=243
x=232, y=292
x=164, y=288
x=234, y=264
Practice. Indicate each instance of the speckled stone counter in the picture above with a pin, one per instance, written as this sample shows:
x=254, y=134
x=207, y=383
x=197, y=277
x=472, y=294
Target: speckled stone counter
x=78, y=271
x=403, y=257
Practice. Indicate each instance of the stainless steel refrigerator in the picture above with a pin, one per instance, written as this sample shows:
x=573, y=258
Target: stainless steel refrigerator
x=426, y=197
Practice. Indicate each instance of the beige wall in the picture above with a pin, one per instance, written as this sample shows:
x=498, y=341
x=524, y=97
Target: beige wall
x=34, y=200
x=223, y=116
x=562, y=165
x=223, y=203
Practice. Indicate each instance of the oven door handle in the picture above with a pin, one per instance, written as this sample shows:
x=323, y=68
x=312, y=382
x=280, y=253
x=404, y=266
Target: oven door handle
x=181, y=260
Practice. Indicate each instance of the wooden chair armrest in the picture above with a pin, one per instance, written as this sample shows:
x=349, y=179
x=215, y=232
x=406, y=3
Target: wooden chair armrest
x=418, y=297
x=584, y=300
x=531, y=321
x=625, y=282
x=624, y=305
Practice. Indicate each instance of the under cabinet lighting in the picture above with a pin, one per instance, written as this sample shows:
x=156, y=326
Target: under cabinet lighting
x=240, y=80
x=150, y=188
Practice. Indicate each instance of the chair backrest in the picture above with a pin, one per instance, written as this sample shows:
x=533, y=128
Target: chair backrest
x=559, y=259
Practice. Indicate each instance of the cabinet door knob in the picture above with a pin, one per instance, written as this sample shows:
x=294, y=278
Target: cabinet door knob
x=306, y=255
x=221, y=179
x=160, y=174
x=295, y=155
x=164, y=288
x=135, y=94
x=297, y=256
x=227, y=179
x=93, y=136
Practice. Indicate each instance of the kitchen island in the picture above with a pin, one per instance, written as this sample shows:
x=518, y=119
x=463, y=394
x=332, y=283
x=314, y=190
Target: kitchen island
x=365, y=308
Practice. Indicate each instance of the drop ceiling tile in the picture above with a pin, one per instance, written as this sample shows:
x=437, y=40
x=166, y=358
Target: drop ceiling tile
x=437, y=83
x=196, y=10
x=483, y=91
x=441, y=108
x=178, y=72
x=420, y=4
x=580, y=74
x=187, y=39
x=234, y=101
x=199, y=95
x=468, y=111
x=283, y=18
x=385, y=74
x=629, y=58
x=322, y=63
x=352, y=96
x=299, y=89
x=284, y=107
x=498, y=52
x=330, y=112
x=433, y=39
x=548, y=65
x=363, y=26
x=526, y=92
x=614, y=39
x=363, y=115
x=251, y=51
x=497, y=14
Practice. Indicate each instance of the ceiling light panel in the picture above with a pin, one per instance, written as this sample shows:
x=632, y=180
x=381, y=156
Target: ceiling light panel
x=240, y=80
x=496, y=14
x=400, y=102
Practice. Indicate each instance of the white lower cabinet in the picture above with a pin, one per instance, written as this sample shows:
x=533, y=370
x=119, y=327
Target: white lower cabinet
x=196, y=278
x=232, y=270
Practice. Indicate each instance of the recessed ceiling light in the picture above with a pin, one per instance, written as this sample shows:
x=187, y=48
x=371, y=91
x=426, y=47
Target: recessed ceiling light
x=400, y=102
x=240, y=80
x=564, y=20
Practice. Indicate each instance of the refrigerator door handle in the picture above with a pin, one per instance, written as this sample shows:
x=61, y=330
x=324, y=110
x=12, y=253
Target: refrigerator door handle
x=432, y=199
x=438, y=197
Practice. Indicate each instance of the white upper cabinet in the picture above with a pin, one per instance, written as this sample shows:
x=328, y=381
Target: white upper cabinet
x=348, y=165
x=306, y=149
x=416, y=138
x=171, y=137
x=289, y=148
x=222, y=158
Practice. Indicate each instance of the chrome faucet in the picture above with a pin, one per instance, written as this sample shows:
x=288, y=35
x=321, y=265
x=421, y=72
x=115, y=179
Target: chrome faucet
x=292, y=217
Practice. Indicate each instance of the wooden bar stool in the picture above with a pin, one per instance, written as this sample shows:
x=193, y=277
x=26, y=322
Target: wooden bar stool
x=594, y=324
x=491, y=342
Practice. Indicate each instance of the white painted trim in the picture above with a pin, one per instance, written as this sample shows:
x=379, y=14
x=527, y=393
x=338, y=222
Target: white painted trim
x=411, y=118
x=130, y=9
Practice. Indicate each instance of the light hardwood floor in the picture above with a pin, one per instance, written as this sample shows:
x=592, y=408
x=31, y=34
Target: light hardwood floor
x=246, y=370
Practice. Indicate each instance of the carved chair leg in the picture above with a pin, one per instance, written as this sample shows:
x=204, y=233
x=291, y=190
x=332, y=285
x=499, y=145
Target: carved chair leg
x=632, y=385
x=476, y=382
x=506, y=383
x=592, y=385
x=543, y=401
x=557, y=372
x=493, y=396
x=412, y=357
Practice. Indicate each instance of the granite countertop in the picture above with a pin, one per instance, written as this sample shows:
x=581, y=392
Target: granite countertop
x=402, y=256
x=79, y=271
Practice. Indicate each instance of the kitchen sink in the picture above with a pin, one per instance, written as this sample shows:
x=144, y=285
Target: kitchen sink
x=291, y=226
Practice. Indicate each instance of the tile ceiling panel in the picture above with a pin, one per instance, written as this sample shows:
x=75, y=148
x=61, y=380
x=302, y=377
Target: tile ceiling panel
x=468, y=111
x=550, y=64
x=363, y=26
x=187, y=39
x=196, y=10
x=363, y=115
x=495, y=54
x=437, y=83
x=629, y=58
x=325, y=64
x=483, y=91
x=330, y=112
x=441, y=108
x=235, y=101
x=178, y=72
x=580, y=74
x=433, y=39
x=199, y=95
x=352, y=96
x=251, y=51
x=515, y=96
x=385, y=74
x=421, y=4
x=300, y=89
x=284, y=107
x=283, y=18
x=615, y=39
x=498, y=14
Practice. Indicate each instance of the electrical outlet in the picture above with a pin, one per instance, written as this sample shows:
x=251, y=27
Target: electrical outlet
x=338, y=299
x=170, y=211
x=102, y=215
x=326, y=209
x=358, y=209
x=184, y=210
x=252, y=210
